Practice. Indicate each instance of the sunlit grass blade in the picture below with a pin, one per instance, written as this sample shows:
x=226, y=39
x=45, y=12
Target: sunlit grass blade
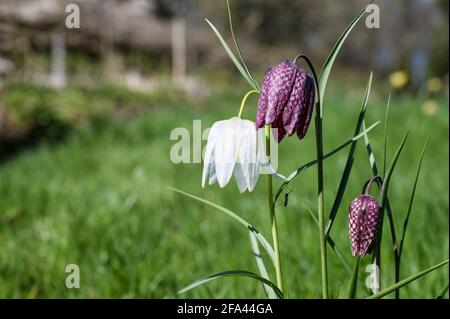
x=408, y=214
x=238, y=49
x=326, y=68
x=265, y=244
x=332, y=244
x=387, y=178
x=304, y=167
x=270, y=293
x=443, y=292
x=350, y=160
x=385, y=134
x=353, y=285
x=406, y=281
x=377, y=254
x=370, y=153
x=242, y=273
x=384, y=203
x=232, y=56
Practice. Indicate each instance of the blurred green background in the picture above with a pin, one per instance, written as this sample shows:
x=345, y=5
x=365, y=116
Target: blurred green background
x=85, y=120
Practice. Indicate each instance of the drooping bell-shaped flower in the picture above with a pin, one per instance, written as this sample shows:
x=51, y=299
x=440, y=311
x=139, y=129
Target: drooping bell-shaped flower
x=286, y=100
x=232, y=149
x=363, y=216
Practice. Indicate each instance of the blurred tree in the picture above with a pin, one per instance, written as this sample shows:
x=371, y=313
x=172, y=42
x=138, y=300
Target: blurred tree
x=178, y=11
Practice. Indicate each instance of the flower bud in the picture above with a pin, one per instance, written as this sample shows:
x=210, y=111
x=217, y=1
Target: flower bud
x=363, y=216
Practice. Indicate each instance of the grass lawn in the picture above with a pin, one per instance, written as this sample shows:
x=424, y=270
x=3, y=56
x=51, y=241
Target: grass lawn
x=99, y=199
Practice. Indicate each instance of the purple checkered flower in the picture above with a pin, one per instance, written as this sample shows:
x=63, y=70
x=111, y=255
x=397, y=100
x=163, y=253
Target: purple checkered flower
x=286, y=100
x=363, y=217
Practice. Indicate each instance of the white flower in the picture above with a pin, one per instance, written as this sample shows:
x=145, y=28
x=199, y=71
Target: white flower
x=232, y=149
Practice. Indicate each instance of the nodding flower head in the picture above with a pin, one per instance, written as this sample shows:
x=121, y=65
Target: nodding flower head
x=232, y=149
x=286, y=100
x=363, y=216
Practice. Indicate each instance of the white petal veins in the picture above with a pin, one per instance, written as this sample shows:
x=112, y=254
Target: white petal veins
x=226, y=150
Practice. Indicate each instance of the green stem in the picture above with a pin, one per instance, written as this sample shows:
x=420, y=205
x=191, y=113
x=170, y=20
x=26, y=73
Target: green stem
x=241, y=110
x=320, y=204
x=320, y=199
x=352, y=289
x=273, y=219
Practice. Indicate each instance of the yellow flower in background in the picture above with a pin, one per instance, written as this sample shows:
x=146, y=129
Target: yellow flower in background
x=398, y=79
x=430, y=107
x=434, y=85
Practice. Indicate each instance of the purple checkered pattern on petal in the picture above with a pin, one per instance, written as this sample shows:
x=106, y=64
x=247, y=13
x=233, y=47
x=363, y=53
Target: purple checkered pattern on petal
x=306, y=107
x=286, y=100
x=363, y=223
x=262, y=101
x=281, y=83
x=291, y=113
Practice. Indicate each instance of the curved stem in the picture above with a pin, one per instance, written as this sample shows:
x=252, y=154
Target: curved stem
x=320, y=199
x=273, y=219
x=377, y=179
x=241, y=110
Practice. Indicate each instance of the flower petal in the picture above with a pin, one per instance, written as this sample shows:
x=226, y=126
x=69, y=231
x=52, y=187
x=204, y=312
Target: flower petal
x=208, y=161
x=262, y=100
x=226, y=150
x=248, y=152
x=291, y=113
x=306, y=108
x=241, y=181
x=281, y=84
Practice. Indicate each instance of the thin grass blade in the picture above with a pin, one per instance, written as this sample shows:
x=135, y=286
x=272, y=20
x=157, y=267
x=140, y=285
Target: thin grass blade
x=390, y=171
x=270, y=293
x=385, y=134
x=232, y=56
x=264, y=243
x=443, y=292
x=326, y=68
x=350, y=160
x=353, y=285
x=406, y=281
x=304, y=167
x=408, y=214
x=238, y=49
x=241, y=273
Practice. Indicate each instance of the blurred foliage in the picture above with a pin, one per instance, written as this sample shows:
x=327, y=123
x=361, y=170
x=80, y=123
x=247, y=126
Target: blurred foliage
x=30, y=106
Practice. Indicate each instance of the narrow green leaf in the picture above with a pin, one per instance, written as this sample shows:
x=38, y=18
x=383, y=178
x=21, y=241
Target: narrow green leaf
x=232, y=57
x=265, y=244
x=370, y=153
x=350, y=159
x=406, y=281
x=388, y=176
x=242, y=273
x=304, y=167
x=384, y=204
x=443, y=292
x=377, y=254
x=270, y=293
x=408, y=214
x=353, y=285
x=238, y=49
x=326, y=68
x=385, y=134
